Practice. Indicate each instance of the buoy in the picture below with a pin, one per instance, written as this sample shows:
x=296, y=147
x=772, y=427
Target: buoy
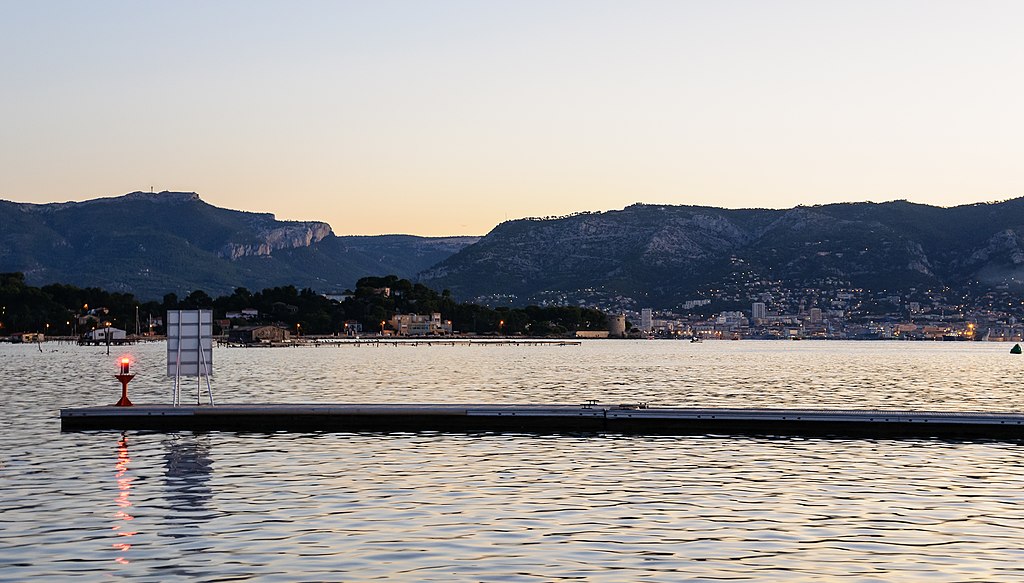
x=1015, y=349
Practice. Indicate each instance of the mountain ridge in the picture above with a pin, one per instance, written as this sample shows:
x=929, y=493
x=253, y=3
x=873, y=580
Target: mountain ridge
x=662, y=253
x=156, y=243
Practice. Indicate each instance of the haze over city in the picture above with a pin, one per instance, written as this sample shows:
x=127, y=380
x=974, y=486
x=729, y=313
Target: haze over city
x=443, y=118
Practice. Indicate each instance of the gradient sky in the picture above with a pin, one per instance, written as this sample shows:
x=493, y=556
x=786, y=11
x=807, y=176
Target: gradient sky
x=444, y=117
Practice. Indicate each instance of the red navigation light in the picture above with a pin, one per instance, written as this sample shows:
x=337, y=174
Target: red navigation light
x=124, y=377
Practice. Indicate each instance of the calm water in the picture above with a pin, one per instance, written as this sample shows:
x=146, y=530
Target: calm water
x=433, y=507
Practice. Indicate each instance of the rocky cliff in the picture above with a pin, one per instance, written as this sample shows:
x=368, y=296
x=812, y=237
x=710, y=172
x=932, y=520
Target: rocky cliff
x=291, y=236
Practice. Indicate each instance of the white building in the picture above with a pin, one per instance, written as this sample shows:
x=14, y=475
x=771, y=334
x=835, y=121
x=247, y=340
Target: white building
x=733, y=318
x=420, y=325
x=815, y=315
x=100, y=334
x=758, y=311
x=646, y=319
x=691, y=304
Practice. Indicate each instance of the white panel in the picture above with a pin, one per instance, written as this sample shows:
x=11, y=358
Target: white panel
x=187, y=330
x=187, y=344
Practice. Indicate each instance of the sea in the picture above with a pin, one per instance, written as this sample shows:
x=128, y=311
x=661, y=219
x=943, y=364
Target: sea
x=434, y=506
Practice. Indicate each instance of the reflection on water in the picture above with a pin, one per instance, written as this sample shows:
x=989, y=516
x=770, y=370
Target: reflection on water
x=123, y=526
x=188, y=466
x=437, y=507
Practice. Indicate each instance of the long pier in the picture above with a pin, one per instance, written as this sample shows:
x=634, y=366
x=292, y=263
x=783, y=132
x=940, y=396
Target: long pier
x=590, y=417
x=403, y=341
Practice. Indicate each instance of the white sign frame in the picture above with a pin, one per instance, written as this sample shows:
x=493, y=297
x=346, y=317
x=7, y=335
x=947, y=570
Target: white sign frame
x=190, y=349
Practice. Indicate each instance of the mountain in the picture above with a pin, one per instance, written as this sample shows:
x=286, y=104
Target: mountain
x=664, y=254
x=151, y=244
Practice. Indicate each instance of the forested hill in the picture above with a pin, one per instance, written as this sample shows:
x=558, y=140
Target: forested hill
x=661, y=254
x=62, y=310
x=151, y=244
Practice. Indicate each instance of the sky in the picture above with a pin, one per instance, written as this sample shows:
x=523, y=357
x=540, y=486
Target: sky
x=449, y=117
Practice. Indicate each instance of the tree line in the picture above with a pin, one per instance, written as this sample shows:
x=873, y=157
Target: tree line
x=59, y=309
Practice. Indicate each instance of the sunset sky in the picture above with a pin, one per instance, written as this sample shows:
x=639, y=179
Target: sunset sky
x=445, y=117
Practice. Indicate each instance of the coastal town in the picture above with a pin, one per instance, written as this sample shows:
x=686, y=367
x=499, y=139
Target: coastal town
x=845, y=315
x=393, y=307
x=758, y=309
x=839, y=313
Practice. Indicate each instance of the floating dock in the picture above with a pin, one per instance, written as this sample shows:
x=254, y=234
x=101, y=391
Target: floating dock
x=589, y=417
x=403, y=341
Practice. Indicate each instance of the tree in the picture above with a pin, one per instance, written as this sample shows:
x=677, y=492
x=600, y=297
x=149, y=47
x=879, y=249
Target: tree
x=197, y=300
x=170, y=302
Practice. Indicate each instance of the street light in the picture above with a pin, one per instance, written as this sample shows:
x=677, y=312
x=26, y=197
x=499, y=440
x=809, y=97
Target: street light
x=382, y=327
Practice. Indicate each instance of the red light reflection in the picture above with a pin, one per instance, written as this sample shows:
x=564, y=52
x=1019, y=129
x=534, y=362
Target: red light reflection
x=124, y=486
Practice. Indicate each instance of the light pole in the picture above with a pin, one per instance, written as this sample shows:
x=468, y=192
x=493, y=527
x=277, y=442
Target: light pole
x=382, y=327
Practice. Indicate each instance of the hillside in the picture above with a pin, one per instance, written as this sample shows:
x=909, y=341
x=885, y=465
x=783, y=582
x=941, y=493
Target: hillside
x=665, y=253
x=151, y=244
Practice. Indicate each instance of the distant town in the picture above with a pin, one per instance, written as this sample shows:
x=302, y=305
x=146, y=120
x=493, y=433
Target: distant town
x=394, y=307
x=851, y=314
x=821, y=310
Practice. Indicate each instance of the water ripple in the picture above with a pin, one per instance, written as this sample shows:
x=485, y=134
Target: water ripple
x=436, y=507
